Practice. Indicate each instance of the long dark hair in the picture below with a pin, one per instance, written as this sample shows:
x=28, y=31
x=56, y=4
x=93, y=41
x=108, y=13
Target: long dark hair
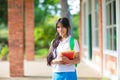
x=65, y=22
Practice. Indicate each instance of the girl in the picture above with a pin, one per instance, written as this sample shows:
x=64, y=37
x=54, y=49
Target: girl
x=61, y=70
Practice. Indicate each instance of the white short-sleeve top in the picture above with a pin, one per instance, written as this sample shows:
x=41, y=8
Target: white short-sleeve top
x=63, y=46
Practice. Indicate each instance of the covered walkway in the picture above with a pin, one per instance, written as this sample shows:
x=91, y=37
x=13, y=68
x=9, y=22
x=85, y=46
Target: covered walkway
x=38, y=70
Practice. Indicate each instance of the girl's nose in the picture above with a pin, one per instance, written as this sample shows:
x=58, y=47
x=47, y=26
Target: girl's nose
x=60, y=28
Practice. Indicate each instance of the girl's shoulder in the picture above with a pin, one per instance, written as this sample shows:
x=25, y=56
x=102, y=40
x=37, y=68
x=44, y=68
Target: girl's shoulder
x=71, y=37
x=75, y=40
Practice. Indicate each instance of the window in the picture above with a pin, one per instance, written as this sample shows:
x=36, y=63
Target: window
x=111, y=37
x=95, y=32
x=89, y=6
x=85, y=26
x=89, y=16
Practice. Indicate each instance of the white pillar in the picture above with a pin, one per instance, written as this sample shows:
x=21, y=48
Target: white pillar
x=118, y=37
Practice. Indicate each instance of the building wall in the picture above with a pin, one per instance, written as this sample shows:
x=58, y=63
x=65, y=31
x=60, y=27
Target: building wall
x=102, y=60
x=111, y=64
x=96, y=52
x=110, y=56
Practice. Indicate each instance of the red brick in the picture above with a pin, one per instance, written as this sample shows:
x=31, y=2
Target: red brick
x=16, y=44
x=29, y=28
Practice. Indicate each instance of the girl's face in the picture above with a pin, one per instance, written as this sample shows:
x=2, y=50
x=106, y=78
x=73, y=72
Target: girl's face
x=62, y=31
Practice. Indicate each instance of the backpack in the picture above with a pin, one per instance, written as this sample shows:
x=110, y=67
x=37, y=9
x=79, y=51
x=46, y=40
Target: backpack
x=72, y=46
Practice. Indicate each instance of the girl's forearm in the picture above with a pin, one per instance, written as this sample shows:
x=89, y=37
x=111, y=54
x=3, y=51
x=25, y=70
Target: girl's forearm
x=75, y=61
x=56, y=61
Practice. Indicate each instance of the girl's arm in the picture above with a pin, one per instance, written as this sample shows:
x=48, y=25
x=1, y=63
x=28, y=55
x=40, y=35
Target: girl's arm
x=58, y=60
x=76, y=59
x=63, y=59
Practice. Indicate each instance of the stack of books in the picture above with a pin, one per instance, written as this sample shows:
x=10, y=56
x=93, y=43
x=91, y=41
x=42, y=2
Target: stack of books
x=68, y=54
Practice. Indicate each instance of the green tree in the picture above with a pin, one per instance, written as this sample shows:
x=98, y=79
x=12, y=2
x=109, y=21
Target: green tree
x=44, y=9
x=3, y=11
x=43, y=35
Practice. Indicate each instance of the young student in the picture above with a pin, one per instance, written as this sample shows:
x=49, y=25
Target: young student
x=63, y=67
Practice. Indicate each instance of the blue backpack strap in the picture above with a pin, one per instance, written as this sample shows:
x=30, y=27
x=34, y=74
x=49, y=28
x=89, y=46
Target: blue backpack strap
x=72, y=46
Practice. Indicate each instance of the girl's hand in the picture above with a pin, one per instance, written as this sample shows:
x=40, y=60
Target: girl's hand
x=60, y=60
x=65, y=59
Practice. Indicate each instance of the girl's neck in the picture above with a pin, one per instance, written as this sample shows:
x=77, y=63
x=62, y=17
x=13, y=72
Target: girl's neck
x=64, y=37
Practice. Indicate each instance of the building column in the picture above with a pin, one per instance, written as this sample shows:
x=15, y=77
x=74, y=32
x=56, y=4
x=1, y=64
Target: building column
x=100, y=33
x=118, y=37
x=29, y=28
x=15, y=39
x=80, y=30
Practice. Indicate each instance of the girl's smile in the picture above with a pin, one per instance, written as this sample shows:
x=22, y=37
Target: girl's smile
x=62, y=31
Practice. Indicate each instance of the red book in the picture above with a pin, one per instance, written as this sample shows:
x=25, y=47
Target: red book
x=68, y=54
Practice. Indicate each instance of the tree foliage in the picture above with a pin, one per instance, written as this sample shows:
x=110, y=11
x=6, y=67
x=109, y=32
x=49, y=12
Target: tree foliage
x=44, y=33
x=75, y=21
x=44, y=9
x=44, y=19
x=3, y=11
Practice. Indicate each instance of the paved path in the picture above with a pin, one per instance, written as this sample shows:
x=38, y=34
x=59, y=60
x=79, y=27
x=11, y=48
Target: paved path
x=38, y=70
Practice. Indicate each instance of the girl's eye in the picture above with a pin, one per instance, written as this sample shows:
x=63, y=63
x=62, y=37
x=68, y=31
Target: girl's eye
x=58, y=26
